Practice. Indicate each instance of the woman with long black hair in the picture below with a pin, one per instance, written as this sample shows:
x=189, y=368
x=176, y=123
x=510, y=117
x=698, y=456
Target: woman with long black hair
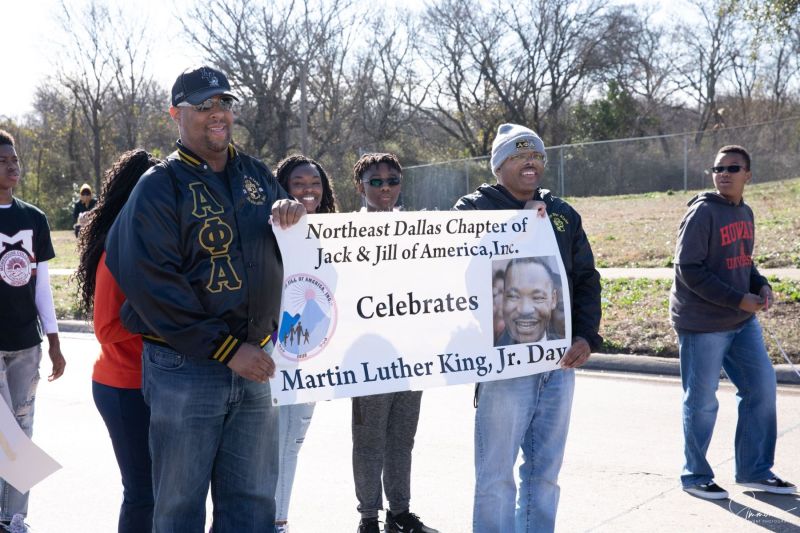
x=117, y=375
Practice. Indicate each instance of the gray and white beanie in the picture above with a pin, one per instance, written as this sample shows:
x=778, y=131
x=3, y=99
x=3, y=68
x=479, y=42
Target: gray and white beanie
x=512, y=138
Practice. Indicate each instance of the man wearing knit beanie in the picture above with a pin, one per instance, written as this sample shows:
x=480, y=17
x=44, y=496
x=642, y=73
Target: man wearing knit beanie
x=531, y=412
x=513, y=139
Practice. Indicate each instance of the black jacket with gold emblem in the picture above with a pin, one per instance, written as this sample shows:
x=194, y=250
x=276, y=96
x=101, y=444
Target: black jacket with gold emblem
x=196, y=257
x=576, y=253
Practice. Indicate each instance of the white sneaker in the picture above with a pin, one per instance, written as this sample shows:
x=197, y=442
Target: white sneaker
x=282, y=528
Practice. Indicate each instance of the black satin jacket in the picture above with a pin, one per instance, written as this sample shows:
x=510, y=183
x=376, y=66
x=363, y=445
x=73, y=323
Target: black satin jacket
x=196, y=257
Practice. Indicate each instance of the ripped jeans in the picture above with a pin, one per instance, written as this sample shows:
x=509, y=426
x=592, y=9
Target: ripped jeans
x=293, y=422
x=19, y=375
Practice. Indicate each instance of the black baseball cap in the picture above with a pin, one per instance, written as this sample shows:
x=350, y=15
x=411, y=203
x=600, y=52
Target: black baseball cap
x=195, y=86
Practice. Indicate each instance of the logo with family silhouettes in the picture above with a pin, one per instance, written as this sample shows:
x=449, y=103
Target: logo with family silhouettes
x=308, y=320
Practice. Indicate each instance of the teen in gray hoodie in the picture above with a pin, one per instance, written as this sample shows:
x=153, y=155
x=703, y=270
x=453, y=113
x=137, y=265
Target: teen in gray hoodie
x=713, y=301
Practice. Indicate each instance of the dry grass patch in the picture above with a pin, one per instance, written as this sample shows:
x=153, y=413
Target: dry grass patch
x=640, y=230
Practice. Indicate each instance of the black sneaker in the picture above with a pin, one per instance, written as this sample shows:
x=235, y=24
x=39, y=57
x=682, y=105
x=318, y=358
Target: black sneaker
x=405, y=522
x=368, y=525
x=707, y=491
x=774, y=485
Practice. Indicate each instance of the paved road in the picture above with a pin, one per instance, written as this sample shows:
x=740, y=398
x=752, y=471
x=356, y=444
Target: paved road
x=620, y=473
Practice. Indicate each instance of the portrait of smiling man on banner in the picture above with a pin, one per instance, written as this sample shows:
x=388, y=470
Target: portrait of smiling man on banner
x=530, y=304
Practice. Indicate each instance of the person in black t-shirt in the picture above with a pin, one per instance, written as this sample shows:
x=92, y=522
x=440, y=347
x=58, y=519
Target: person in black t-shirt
x=26, y=310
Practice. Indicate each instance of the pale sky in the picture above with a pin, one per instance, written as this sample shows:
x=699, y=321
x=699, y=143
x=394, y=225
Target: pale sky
x=29, y=27
x=31, y=35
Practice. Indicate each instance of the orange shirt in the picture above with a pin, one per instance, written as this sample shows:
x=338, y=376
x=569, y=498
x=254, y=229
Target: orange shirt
x=120, y=361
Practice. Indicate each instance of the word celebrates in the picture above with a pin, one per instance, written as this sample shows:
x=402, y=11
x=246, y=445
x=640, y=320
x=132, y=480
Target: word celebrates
x=383, y=302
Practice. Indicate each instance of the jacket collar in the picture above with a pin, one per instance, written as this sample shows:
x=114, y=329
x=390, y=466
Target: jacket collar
x=539, y=194
x=194, y=160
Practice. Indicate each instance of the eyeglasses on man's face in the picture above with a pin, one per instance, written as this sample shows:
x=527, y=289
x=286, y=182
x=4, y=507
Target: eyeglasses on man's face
x=730, y=169
x=225, y=103
x=378, y=183
x=527, y=156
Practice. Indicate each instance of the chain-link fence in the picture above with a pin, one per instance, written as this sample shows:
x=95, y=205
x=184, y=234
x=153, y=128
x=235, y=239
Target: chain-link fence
x=622, y=166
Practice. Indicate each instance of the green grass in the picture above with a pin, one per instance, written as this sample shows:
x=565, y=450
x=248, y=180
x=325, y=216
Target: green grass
x=636, y=318
x=65, y=297
x=66, y=247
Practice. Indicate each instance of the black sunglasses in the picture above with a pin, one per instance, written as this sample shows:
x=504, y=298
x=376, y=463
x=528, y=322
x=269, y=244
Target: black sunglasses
x=730, y=169
x=225, y=103
x=377, y=182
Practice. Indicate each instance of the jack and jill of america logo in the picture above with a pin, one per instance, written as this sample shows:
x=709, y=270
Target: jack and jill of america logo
x=15, y=268
x=308, y=317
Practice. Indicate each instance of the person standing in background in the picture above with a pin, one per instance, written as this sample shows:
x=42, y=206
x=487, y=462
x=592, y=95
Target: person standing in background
x=83, y=205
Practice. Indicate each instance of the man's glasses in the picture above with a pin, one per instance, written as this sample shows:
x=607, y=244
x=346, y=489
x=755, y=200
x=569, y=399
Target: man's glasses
x=225, y=103
x=730, y=169
x=378, y=183
x=534, y=156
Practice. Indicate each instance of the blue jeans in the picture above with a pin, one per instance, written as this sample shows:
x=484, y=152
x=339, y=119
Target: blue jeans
x=532, y=413
x=209, y=425
x=742, y=354
x=19, y=376
x=127, y=418
x=292, y=427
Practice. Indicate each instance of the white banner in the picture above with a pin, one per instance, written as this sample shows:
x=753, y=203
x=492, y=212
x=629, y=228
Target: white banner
x=22, y=463
x=383, y=302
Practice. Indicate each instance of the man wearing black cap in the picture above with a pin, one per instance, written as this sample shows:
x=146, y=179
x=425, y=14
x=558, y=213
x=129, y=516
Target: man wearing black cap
x=530, y=412
x=194, y=254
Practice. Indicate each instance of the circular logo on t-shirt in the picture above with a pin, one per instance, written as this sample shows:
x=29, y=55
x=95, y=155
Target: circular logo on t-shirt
x=15, y=268
x=308, y=318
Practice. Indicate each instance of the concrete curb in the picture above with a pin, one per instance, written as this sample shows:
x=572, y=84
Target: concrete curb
x=663, y=366
x=600, y=362
x=75, y=326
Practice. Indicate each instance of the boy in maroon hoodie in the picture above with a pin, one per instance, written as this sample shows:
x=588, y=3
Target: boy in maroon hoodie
x=715, y=296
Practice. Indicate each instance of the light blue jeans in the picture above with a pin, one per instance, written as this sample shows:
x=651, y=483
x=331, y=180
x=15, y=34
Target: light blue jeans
x=209, y=425
x=532, y=413
x=292, y=427
x=742, y=354
x=19, y=376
